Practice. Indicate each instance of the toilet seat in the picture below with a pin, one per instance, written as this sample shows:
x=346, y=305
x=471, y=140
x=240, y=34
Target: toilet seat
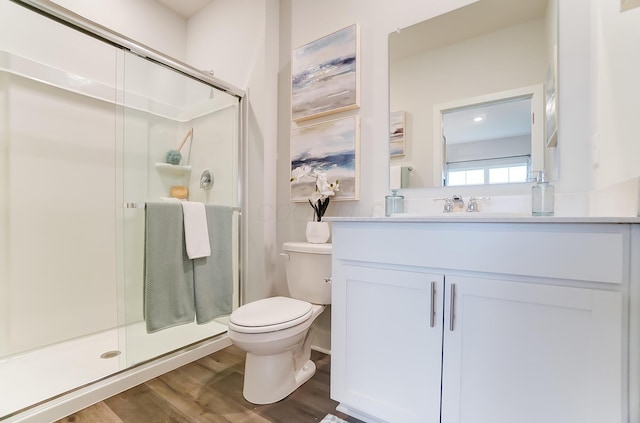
x=270, y=315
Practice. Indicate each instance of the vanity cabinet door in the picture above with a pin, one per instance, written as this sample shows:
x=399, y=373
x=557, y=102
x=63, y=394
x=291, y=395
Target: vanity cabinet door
x=387, y=343
x=530, y=353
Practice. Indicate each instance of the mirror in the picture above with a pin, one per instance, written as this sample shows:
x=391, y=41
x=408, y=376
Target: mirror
x=476, y=60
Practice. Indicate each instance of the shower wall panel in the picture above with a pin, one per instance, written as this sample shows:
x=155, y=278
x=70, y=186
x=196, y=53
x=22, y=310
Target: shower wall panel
x=58, y=223
x=62, y=223
x=209, y=152
x=29, y=35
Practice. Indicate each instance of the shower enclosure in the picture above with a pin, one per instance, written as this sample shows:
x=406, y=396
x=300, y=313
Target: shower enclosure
x=86, y=120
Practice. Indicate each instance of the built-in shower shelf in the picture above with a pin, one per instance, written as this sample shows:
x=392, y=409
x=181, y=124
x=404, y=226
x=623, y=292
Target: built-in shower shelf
x=175, y=170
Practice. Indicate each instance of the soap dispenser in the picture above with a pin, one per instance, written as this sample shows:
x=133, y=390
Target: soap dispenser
x=542, y=196
x=393, y=203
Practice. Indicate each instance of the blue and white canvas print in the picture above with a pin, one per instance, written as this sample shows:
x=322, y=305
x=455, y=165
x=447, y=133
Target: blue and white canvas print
x=325, y=75
x=330, y=147
x=396, y=134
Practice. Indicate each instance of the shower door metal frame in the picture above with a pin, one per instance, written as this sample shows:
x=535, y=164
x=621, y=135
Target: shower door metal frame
x=69, y=18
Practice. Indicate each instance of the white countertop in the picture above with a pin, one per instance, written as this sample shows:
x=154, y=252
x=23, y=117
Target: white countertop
x=485, y=218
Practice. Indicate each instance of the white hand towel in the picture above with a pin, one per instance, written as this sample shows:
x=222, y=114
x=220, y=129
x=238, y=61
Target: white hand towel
x=395, y=177
x=399, y=177
x=196, y=232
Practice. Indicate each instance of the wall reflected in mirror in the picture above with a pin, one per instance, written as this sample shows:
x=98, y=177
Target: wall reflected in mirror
x=485, y=50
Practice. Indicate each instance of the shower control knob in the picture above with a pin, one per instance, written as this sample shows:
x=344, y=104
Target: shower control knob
x=206, y=179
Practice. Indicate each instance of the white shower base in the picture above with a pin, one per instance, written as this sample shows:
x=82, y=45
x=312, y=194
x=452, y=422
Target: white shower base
x=35, y=376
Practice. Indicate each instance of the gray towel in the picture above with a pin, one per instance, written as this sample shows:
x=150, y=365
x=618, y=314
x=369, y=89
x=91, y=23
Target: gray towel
x=213, y=276
x=168, y=276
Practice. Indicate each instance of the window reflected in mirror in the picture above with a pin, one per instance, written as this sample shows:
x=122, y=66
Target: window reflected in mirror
x=487, y=143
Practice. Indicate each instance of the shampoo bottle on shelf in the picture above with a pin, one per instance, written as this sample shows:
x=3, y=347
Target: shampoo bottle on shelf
x=542, y=196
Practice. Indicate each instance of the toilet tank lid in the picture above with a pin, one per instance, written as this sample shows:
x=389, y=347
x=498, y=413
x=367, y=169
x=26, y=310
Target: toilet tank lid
x=307, y=247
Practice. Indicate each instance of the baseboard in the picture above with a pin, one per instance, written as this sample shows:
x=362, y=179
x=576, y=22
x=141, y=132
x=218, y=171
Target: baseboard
x=320, y=349
x=357, y=414
x=86, y=396
x=321, y=340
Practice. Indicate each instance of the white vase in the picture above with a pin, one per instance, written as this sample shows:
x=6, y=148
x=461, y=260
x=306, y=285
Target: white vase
x=318, y=232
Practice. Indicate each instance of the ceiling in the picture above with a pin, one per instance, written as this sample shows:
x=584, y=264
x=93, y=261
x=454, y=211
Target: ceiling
x=473, y=20
x=500, y=119
x=185, y=8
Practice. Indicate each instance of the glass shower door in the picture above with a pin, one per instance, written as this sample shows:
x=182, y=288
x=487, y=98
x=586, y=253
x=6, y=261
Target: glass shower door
x=163, y=111
x=58, y=296
x=84, y=134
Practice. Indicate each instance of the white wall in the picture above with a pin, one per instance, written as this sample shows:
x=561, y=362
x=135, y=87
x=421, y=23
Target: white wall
x=573, y=159
x=616, y=133
x=228, y=37
x=145, y=21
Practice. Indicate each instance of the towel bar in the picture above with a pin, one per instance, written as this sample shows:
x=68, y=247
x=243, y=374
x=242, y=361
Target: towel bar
x=143, y=205
x=133, y=205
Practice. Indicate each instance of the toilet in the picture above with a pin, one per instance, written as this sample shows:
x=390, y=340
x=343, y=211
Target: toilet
x=275, y=332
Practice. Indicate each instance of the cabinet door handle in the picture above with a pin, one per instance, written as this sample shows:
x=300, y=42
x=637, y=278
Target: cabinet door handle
x=452, y=306
x=432, y=315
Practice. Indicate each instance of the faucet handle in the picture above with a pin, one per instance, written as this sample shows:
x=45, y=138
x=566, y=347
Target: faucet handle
x=448, y=204
x=472, y=205
x=537, y=176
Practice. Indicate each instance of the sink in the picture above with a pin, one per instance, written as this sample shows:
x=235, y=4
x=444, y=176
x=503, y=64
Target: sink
x=459, y=215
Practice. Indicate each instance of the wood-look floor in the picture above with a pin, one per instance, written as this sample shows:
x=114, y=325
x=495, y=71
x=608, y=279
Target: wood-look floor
x=210, y=390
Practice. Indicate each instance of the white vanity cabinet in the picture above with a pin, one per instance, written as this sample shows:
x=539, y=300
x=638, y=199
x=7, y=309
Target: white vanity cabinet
x=526, y=352
x=385, y=369
x=468, y=322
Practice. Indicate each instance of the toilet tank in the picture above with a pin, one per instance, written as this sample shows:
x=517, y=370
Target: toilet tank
x=307, y=267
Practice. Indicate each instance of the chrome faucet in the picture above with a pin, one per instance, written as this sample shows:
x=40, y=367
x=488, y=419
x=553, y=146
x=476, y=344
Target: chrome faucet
x=455, y=203
x=448, y=205
x=472, y=205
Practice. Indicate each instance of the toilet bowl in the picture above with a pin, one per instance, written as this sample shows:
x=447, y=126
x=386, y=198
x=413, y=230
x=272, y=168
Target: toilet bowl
x=276, y=332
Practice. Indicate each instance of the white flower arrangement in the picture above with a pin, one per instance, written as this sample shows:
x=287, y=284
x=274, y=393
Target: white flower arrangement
x=319, y=199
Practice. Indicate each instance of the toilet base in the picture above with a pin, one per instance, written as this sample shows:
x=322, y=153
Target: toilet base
x=270, y=378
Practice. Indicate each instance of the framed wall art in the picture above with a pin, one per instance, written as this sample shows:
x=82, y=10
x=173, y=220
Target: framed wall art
x=397, y=123
x=325, y=75
x=331, y=147
x=551, y=103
